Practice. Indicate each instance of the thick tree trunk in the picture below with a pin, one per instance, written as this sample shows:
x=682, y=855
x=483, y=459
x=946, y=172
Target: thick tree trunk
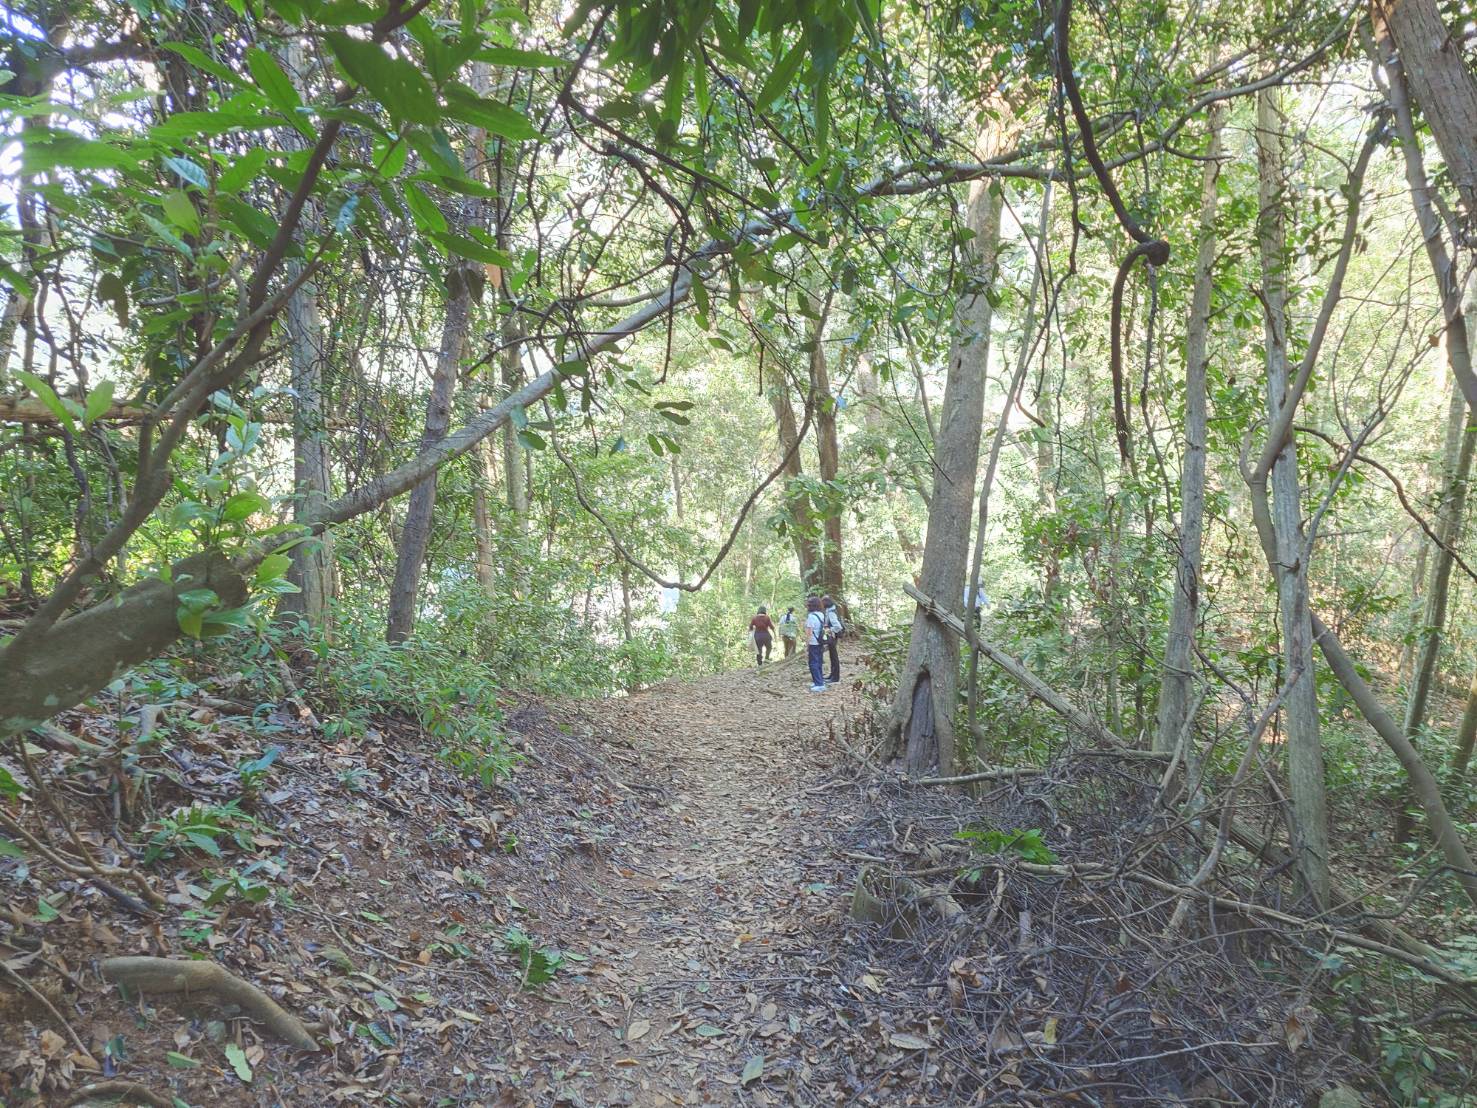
x=1443, y=85
x=1300, y=699
x=928, y=686
x=1175, y=688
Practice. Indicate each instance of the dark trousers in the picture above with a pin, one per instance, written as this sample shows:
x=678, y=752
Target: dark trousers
x=835, y=661
x=763, y=645
x=814, y=655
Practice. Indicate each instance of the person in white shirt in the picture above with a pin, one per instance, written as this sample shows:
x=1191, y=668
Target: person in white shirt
x=815, y=640
x=789, y=630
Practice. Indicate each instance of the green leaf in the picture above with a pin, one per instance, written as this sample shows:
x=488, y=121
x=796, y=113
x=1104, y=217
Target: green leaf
x=492, y=116
x=272, y=567
x=343, y=13
x=383, y=1037
x=781, y=76
x=753, y=1070
x=187, y=171
x=277, y=85
x=208, y=845
x=9, y=786
x=47, y=150
x=394, y=82
x=237, y=1057
x=708, y=1031
x=423, y=210
x=99, y=400
x=473, y=249
x=244, y=171
x=242, y=505
x=181, y=212
x=8, y=849
x=201, y=60
x=47, y=395
x=255, y=225
x=180, y=1061
x=523, y=59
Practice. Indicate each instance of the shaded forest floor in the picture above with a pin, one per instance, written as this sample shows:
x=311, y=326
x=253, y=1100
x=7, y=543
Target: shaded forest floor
x=653, y=909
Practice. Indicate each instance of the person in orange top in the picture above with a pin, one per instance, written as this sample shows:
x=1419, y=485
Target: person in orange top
x=762, y=628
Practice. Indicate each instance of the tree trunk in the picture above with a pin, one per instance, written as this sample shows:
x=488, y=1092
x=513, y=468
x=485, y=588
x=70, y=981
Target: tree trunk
x=1175, y=688
x=482, y=518
x=797, y=501
x=463, y=279
x=1300, y=699
x=1442, y=85
x=312, y=561
x=928, y=686
x=828, y=452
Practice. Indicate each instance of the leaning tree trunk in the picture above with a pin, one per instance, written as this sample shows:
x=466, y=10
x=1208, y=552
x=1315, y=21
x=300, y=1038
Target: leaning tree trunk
x=928, y=686
x=1300, y=698
x=1175, y=687
x=1442, y=85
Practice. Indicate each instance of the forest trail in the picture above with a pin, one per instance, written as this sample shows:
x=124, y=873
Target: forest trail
x=699, y=943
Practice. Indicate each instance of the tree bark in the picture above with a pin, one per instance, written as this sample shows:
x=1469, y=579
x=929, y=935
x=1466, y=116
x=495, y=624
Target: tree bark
x=482, y=518
x=1300, y=700
x=797, y=500
x=1443, y=85
x=312, y=561
x=828, y=453
x=928, y=686
x=1175, y=688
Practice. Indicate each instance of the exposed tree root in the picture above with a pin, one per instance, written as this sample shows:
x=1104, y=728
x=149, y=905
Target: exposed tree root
x=170, y=975
x=120, y=1092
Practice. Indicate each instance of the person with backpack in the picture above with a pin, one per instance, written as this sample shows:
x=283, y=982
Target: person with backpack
x=789, y=630
x=815, y=642
x=762, y=628
x=833, y=634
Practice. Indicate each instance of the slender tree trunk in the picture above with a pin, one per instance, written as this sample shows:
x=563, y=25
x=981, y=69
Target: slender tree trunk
x=797, y=501
x=928, y=686
x=1304, y=749
x=462, y=280
x=482, y=517
x=829, y=454
x=1176, y=686
x=312, y=561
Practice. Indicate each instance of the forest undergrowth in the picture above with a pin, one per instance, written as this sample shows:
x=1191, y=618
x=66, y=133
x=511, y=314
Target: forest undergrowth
x=708, y=892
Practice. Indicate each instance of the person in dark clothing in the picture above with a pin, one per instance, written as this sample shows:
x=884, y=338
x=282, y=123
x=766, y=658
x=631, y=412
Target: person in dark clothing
x=815, y=639
x=763, y=630
x=833, y=633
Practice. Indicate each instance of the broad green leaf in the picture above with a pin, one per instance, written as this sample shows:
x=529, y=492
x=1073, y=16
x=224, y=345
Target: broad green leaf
x=201, y=60
x=244, y=504
x=272, y=567
x=476, y=251
x=753, y=1070
x=112, y=290
x=243, y=171
x=781, y=76
x=8, y=849
x=237, y=1057
x=9, y=786
x=394, y=82
x=47, y=395
x=99, y=400
x=522, y=59
x=344, y=13
x=42, y=151
x=276, y=85
x=181, y=212
x=255, y=225
x=492, y=116
x=182, y=126
x=180, y=1061
x=187, y=171
x=423, y=209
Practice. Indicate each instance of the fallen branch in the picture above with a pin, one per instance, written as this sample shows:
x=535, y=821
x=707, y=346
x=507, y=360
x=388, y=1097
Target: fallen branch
x=997, y=774
x=40, y=999
x=171, y=975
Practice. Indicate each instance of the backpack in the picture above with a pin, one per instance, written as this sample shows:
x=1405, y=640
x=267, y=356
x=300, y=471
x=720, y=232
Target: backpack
x=823, y=635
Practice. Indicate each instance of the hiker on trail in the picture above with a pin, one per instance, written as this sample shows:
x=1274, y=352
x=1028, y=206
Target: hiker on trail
x=815, y=642
x=833, y=633
x=762, y=628
x=789, y=630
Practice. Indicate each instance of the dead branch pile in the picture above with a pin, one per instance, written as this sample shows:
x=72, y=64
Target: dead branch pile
x=1069, y=978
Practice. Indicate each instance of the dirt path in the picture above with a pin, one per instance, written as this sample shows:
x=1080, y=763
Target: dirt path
x=696, y=990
